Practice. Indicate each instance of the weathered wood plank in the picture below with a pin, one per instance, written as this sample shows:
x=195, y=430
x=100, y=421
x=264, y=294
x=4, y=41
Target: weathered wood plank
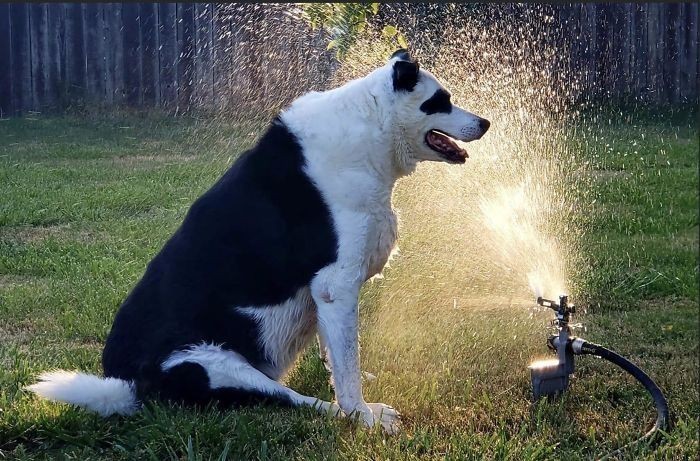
x=131, y=54
x=570, y=21
x=240, y=45
x=94, y=48
x=673, y=58
x=108, y=50
x=628, y=48
x=222, y=44
x=39, y=52
x=681, y=51
x=591, y=39
x=56, y=88
x=167, y=36
x=203, y=62
x=150, y=65
x=22, y=100
x=642, y=51
x=118, y=45
x=602, y=61
x=75, y=68
x=653, y=47
x=618, y=53
x=692, y=67
x=185, y=61
x=6, y=107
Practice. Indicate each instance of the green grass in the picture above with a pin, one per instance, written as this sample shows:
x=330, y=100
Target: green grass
x=85, y=204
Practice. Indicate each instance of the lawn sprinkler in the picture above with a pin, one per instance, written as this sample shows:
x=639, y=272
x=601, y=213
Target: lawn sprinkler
x=551, y=377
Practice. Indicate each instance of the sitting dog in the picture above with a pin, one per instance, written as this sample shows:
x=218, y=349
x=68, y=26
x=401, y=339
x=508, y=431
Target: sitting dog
x=276, y=252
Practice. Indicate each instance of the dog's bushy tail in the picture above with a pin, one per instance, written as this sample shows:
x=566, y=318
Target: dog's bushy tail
x=105, y=396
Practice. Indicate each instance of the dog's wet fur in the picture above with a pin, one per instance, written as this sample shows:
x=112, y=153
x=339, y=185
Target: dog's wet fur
x=276, y=252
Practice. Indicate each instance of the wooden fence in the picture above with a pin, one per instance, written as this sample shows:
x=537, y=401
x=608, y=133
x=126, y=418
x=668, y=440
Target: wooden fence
x=641, y=52
x=646, y=51
x=173, y=55
x=182, y=56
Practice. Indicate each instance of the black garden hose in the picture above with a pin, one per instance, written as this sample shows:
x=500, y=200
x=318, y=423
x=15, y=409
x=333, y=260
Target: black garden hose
x=663, y=420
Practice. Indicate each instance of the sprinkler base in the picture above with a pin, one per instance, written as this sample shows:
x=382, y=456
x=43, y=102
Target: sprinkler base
x=549, y=378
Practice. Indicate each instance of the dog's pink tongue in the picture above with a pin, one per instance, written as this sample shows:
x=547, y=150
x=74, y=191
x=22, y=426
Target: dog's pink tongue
x=447, y=145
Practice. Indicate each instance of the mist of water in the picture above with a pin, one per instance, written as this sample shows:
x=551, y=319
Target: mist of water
x=499, y=225
x=503, y=224
x=475, y=239
x=478, y=242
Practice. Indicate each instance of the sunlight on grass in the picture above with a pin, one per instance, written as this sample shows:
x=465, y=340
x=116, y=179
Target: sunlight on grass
x=449, y=345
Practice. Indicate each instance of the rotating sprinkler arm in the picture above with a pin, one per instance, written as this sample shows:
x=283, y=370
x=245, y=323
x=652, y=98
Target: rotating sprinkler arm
x=553, y=380
x=563, y=309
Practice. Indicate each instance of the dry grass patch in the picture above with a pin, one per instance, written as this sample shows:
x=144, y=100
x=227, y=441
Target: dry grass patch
x=37, y=234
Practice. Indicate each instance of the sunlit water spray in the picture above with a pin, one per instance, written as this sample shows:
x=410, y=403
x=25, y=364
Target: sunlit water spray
x=478, y=241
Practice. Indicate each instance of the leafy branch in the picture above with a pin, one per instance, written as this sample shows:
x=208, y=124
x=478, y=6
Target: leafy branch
x=345, y=22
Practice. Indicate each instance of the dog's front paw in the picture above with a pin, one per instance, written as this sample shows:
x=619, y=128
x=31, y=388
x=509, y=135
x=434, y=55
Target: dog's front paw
x=379, y=413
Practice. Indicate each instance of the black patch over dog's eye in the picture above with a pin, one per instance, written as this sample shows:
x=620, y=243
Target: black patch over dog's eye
x=438, y=102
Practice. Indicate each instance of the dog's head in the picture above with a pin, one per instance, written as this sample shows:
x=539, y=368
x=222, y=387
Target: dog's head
x=427, y=120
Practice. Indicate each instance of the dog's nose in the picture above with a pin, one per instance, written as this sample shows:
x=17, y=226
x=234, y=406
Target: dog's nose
x=484, y=125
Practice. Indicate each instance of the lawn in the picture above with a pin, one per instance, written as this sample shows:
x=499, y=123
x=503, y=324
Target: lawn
x=86, y=202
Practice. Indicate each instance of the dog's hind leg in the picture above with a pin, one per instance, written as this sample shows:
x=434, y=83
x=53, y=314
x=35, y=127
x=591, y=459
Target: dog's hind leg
x=229, y=378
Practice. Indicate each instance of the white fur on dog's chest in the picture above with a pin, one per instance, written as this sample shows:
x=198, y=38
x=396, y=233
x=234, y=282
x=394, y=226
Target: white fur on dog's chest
x=364, y=220
x=353, y=169
x=382, y=241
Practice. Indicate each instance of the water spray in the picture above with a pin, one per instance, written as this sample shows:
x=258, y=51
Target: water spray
x=551, y=377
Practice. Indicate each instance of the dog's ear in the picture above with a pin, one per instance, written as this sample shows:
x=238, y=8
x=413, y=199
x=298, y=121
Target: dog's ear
x=402, y=54
x=405, y=75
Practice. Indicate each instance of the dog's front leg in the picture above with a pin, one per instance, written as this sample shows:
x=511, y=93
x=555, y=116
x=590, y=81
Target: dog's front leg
x=338, y=327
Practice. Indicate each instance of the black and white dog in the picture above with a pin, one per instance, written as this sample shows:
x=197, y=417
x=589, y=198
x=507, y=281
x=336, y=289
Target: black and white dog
x=275, y=252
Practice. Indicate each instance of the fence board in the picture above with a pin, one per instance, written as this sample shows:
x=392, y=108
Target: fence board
x=150, y=65
x=655, y=45
x=672, y=80
x=167, y=49
x=590, y=36
x=75, y=66
x=56, y=53
x=221, y=55
x=628, y=48
x=115, y=38
x=641, y=54
x=203, y=62
x=5, y=61
x=94, y=49
x=108, y=47
x=185, y=61
x=131, y=52
x=38, y=31
x=21, y=59
x=692, y=63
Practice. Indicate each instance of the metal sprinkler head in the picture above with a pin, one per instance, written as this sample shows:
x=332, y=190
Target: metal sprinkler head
x=563, y=309
x=551, y=377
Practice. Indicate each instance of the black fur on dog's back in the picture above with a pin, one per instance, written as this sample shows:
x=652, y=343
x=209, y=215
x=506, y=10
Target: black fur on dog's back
x=255, y=238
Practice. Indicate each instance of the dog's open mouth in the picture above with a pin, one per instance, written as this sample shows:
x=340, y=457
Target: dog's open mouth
x=445, y=146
